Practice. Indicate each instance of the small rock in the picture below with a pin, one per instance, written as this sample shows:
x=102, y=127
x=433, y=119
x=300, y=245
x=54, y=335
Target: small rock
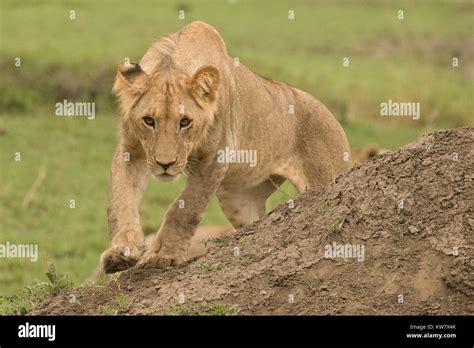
x=470, y=308
x=413, y=229
x=263, y=292
x=426, y=162
x=275, y=217
x=323, y=288
x=146, y=302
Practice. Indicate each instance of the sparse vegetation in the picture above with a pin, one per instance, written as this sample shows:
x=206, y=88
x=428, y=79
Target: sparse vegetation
x=28, y=298
x=215, y=267
x=335, y=225
x=106, y=310
x=305, y=215
x=244, y=240
x=216, y=240
x=121, y=301
x=360, y=212
x=203, y=309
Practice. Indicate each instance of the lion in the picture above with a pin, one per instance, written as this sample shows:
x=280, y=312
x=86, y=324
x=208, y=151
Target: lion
x=188, y=107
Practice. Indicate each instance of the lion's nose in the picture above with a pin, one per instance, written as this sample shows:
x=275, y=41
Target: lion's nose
x=165, y=166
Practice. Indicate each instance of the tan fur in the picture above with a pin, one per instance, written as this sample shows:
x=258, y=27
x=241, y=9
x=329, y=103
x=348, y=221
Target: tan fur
x=295, y=137
x=361, y=155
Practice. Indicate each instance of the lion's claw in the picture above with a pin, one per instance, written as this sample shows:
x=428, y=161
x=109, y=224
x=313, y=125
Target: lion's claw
x=120, y=257
x=159, y=260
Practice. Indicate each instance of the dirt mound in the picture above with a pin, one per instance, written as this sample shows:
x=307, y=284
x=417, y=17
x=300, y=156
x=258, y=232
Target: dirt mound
x=391, y=236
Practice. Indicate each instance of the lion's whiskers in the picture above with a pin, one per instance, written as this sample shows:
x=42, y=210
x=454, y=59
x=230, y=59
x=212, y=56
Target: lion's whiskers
x=143, y=164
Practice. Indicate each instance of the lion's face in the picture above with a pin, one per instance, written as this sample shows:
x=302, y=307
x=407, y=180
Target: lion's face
x=169, y=115
x=168, y=123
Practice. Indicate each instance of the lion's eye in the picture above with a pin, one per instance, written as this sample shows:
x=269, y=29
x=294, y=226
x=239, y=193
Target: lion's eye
x=149, y=121
x=185, y=122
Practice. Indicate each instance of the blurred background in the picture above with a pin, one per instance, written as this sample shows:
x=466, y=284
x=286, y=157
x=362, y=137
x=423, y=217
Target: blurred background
x=68, y=158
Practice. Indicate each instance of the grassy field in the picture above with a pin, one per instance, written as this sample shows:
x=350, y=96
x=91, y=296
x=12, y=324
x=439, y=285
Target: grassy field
x=406, y=60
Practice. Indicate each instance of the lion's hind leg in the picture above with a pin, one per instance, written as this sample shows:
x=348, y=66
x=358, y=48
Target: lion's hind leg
x=242, y=207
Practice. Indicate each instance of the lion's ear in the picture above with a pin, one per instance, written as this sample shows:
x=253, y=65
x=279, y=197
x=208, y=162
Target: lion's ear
x=204, y=83
x=128, y=78
x=129, y=82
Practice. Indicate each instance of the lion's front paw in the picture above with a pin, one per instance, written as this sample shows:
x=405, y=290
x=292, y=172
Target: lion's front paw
x=120, y=257
x=160, y=259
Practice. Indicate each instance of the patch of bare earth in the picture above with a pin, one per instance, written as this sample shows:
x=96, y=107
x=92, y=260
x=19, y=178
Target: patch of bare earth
x=411, y=209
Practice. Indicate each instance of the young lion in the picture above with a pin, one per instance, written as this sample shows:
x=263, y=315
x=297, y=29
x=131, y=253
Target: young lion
x=182, y=107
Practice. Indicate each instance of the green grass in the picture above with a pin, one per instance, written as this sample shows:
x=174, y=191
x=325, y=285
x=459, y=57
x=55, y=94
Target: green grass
x=408, y=60
x=26, y=300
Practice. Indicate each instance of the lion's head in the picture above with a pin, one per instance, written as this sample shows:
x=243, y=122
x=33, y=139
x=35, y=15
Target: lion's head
x=167, y=112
